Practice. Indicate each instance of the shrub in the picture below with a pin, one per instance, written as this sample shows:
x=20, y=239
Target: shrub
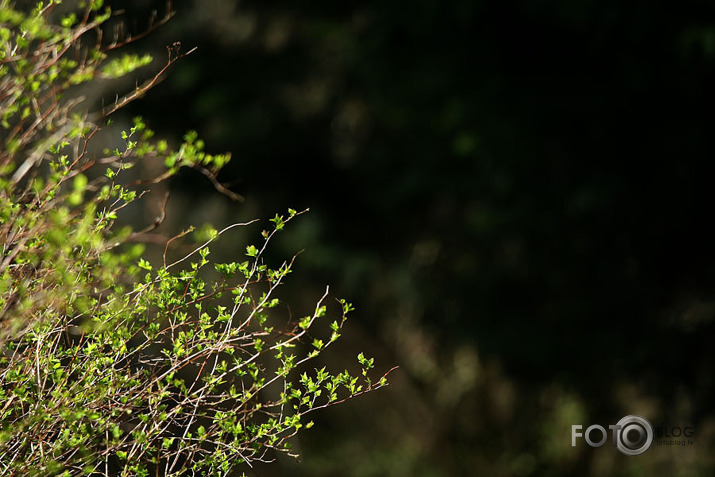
x=110, y=364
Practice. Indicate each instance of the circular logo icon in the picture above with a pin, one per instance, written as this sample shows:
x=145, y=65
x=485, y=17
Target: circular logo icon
x=635, y=435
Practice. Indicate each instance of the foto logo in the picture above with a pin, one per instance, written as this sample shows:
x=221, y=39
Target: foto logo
x=632, y=435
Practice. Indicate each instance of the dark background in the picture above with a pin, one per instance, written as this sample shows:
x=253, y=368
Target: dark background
x=517, y=197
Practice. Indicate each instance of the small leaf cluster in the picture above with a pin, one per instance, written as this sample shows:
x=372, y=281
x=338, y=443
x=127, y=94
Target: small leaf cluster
x=111, y=364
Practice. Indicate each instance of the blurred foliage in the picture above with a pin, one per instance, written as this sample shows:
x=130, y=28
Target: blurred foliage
x=514, y=194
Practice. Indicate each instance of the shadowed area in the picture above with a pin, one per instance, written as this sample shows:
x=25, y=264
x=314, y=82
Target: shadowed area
x=516, y=196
